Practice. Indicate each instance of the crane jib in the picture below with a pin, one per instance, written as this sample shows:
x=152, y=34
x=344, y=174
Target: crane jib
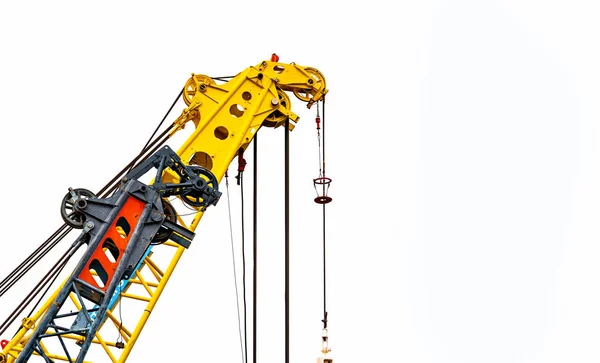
x=121, y=230
x=118, y=231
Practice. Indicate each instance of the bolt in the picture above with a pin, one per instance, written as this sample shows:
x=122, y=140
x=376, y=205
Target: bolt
x=274, y=102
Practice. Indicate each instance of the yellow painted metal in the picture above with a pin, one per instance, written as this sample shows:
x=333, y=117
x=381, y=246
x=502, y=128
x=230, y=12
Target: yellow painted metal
x=226, y=118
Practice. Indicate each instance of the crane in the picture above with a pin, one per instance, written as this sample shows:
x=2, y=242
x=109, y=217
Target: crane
x=131, y=232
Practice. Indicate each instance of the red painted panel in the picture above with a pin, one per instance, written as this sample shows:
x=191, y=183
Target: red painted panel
x=130, y=212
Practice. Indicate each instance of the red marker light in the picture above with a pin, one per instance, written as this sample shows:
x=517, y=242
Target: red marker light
x=274, y=58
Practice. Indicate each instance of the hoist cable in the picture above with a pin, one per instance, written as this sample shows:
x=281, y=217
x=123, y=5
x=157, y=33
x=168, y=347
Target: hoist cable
x=237, y=299
x=244, y=268
x=62, y=231
x=287, y=239
x=108, y=190
x=31, y=264
x=155, y=144
x=15, y=272
x=160, y=124
x=29, y=298
x=50, y=275
x=26, y=265
x=324, y=245
x=163, y=119
x=223, y=79
x=56, y=271
x=321, y=172
x=254, y=248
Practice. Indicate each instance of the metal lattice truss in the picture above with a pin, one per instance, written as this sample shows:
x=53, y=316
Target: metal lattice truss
x=115, y=337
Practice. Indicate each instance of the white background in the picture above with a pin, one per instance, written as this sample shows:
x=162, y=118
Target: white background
x=461, y=137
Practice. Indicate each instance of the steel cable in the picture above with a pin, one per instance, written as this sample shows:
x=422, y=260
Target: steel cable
x=25, y=266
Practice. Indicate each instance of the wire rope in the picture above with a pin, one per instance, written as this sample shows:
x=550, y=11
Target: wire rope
x=237, y=299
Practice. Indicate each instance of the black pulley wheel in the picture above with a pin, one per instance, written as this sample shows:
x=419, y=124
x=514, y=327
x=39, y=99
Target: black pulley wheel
x=164, y=233
x=69, y=213
x=194, y=196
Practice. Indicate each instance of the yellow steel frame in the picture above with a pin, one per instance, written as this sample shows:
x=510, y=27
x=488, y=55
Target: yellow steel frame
x=226, y=117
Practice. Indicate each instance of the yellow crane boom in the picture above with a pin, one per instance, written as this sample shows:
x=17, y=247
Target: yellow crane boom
x=125, y=259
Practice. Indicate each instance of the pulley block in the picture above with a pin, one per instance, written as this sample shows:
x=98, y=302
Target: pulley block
x=164, y=233
x=72, y=204
x=204, y=190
